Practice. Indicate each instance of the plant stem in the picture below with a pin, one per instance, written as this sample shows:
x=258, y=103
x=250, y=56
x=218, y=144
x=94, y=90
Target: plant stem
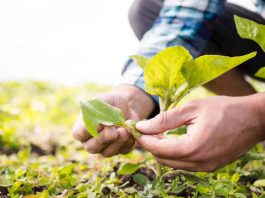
x=179, y=97
x=164, y=105
x=130, y=125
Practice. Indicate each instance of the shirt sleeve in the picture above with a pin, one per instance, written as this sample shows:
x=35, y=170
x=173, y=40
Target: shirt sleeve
x=181, y=22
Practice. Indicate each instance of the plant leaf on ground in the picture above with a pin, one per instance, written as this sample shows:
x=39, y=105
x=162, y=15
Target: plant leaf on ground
x=129, y=168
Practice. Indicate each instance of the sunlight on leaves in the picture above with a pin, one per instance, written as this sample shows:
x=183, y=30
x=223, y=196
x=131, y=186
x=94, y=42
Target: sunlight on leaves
x=206, y=68
x=162, y=74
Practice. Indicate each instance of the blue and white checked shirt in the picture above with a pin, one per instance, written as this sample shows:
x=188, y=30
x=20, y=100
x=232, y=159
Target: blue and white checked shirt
x=182, y=22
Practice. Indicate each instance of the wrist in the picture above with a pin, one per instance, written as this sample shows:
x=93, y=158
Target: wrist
x=137, y=99
x=257, y=103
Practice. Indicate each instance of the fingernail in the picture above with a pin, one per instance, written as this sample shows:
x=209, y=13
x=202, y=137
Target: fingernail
x=141, y=124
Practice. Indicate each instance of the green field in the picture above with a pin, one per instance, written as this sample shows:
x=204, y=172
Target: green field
x=39, y=157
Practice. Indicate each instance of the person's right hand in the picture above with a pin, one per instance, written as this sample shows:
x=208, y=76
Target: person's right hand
x=112, y=140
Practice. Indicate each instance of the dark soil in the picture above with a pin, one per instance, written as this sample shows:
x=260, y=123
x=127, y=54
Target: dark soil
x=3, y=192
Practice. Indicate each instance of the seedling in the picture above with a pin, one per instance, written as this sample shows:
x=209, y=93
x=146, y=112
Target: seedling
x=171, y=74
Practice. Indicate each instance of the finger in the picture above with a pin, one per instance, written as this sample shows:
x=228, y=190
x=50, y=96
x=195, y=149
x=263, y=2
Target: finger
x=190, y=166
x=106, y=137
x=168, y=147
x=80, y=132
x=167, y=120
x=115, y=147
x=129, y=146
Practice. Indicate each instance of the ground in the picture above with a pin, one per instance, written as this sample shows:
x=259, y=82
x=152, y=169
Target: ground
x=39, y=157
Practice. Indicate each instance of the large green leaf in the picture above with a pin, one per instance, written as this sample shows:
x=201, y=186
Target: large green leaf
x=206, y=68
x=142, y=61
x=251, y=30
x=162, y=74
x=96, y=112
x=261, y=73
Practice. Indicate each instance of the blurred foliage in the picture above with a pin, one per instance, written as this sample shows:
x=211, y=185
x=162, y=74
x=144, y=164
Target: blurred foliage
x=39, y=158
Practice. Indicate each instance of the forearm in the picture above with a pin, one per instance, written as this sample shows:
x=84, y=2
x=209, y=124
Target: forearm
x=137, y=99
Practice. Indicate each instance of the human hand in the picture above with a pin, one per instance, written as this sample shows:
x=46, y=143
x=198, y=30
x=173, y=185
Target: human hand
x=219, y=130
x=112, y=140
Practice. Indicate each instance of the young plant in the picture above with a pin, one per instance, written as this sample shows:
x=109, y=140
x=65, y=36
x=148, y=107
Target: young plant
x=171, y=74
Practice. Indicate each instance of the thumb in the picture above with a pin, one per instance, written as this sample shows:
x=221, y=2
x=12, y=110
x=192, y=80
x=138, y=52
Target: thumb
x=167, y=120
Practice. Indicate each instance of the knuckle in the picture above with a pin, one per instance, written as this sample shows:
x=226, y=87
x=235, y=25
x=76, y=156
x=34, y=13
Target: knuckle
x=191, y=105
x=162, y=119
x=123, y=136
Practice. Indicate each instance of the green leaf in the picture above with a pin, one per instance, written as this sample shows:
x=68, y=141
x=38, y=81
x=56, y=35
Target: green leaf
x=128, y=169
x=260, y=183
x=5, y=182
x=193, y=178
x=206, y=68
x=142, y=61
x=140, y=179
x=250, y=156
x=261, y=73
x=202, y=189
x=162, y=74
x=249, y=29
x=223, y=191
x=262, y=195
x=240, y=195
x=235, y=177
x=66, y=170
x=96, y=112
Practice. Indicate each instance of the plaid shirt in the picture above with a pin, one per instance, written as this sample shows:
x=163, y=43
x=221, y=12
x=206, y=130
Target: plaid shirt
x=181, y=22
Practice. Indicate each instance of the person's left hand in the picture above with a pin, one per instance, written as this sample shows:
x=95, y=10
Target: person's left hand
x=220, y=130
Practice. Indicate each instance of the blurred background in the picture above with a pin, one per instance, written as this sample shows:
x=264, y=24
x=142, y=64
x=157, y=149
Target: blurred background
x=69, y=42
